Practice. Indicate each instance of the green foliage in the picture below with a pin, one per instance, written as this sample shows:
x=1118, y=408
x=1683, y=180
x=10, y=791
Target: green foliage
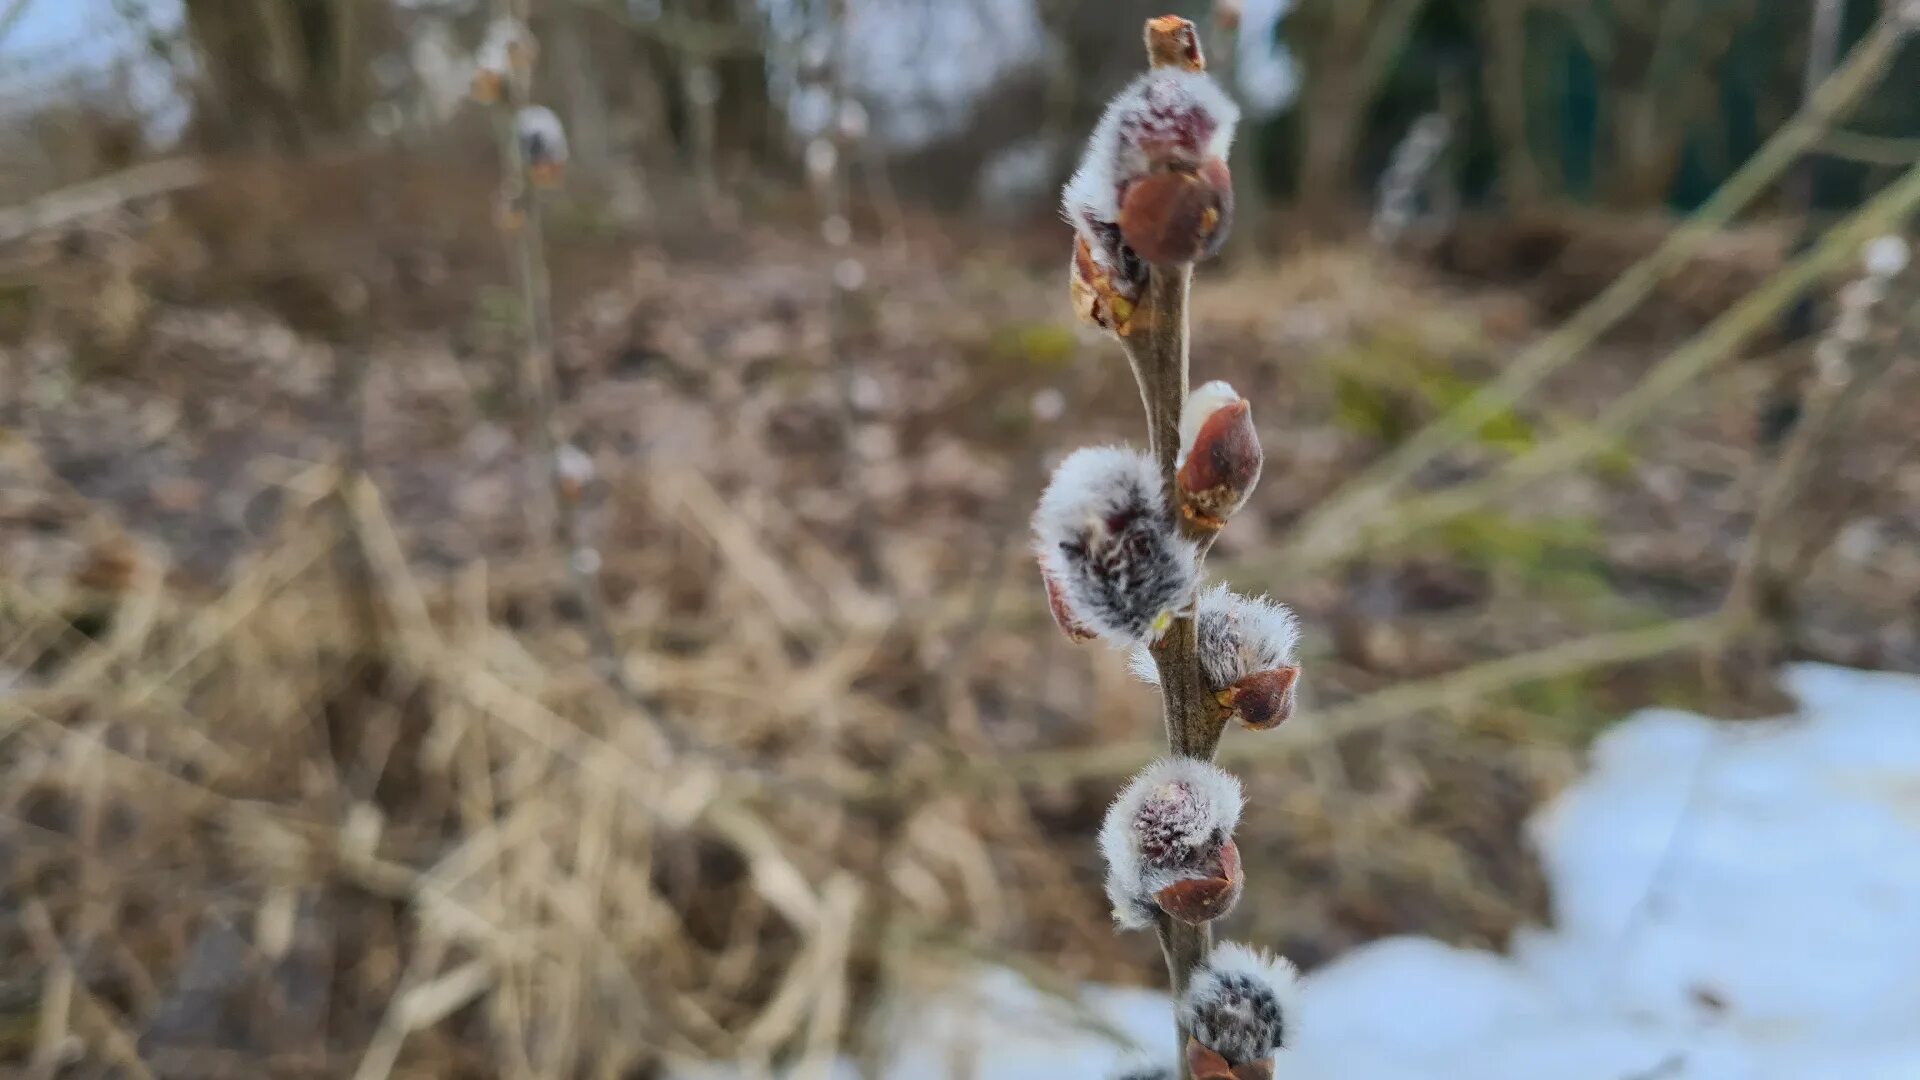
x=1395, y=382
x=17, y=299
x=1036, y=344
x=1557, y=556
x=497, y=312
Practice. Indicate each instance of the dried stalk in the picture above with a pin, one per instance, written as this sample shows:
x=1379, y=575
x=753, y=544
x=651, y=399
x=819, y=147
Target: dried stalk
x=527, y=247
x=1332, y=525
x=1726, y=334
x=1831, y=396
x=1453, y=690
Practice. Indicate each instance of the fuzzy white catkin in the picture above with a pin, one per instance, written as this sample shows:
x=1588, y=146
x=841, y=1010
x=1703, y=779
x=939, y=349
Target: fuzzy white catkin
x=573, y=464
x=1206, y=399
x=543, y=139
x=1160, y=104
x=1886, y=256
x=1191, y=805
x=1243, y=1003
x=1235, y=636
x=1104, y=537
x=495, y=55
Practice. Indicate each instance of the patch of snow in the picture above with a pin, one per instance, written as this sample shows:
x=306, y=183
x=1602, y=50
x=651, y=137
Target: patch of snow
x=1731, y=901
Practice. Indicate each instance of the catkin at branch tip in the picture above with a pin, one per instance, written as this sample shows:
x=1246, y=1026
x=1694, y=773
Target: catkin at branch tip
x=1164, y=117
x=1151, y=186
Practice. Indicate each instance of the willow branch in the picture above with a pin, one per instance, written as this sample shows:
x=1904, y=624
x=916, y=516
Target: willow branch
x=1157, y=349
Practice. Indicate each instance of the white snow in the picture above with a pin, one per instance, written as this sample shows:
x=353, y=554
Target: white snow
x=1732, y=901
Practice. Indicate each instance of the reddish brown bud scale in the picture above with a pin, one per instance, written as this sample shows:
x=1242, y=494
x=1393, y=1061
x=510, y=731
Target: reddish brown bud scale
x=1075, y=630
x=1221, y=468
x=1096, y=298
x=1262, y=700
x=1174, y=42
x=1219, y=180
x=1178, y=215
x=1204, y=1064
x=1203, y=900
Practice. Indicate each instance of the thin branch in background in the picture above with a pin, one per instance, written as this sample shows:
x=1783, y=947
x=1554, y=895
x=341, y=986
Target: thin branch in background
x=562, y=463
x=1889, y=211
x=827, y=155
x=700, y=87
x=1251, y=212
x=1454, y=690
x=10, y=18
x=1848, y=362
x=1332, y=525
x=1407, y=176
x=61, y=208
x=1883, y=150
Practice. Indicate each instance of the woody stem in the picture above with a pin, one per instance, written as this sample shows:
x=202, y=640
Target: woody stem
x=1157, y=350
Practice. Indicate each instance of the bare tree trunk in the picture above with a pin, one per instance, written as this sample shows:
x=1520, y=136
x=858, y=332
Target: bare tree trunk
x=1352, y=45
x=1660, y=76
x=584, y=85
x=280, y=74
x=1504, y=32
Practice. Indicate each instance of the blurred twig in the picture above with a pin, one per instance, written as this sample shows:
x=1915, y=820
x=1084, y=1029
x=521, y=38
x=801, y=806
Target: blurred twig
x=10, y=18
x=683, y=34
x=527, y=242
x=1746, y=319
x=1871, y=149
x=1314, y=727
x=1832, y=392
x=60, y=208
x=1331, y=526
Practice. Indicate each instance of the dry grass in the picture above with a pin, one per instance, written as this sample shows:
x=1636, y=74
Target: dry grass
x=305, y=775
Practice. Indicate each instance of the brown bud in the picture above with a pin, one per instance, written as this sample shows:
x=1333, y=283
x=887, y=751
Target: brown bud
x=509, y=212
x=1202, y=900
x=1178, y=215
x=1222, y=465
x=489, y=87
x=111, y=565
x=1062, y=615
x=1173, y=42
x=1227, y=14
x=1097, y=298
x=1263, y=699
x=546, y=174
x=1204, y=1064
